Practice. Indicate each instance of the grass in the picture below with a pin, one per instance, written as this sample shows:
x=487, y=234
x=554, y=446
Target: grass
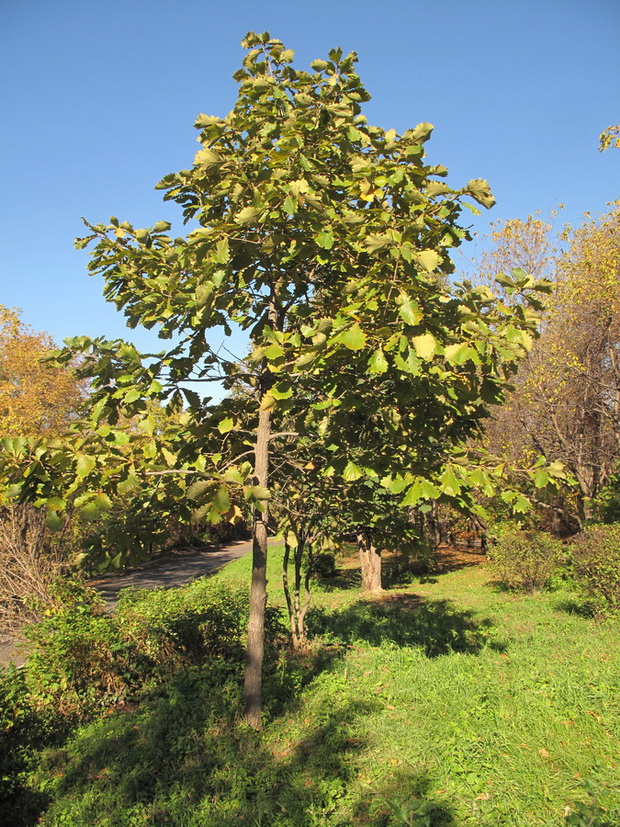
x=445, y=701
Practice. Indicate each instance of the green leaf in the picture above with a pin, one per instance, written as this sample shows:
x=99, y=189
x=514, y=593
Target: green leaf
x=97, y=410
x=481, y=191
x=460, y=353
x=377, y=241
x=450, y=484
x=377, y=362
x=130, y=484
x=273, y=352
x=56, y=504
x=256, y=493
x=420, y=490
x=352, y=472
x=319, y=65
x=222, y=252
x=290, y=205
x=354, y=338
x=325, y=239
x=409, y=311
x=283, y=390
x=84, y=465
x=103, y=502
x=54, y=521
x=198, y=488
x=132, y=396
x=521, y=505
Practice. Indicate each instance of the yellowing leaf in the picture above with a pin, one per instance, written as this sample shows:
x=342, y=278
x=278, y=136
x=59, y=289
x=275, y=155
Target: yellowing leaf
x=84, y=466
x=169, y=457
x=247, y=215
x=429, y=259
x=425, y=345
x=207, y=158
x=226, y=425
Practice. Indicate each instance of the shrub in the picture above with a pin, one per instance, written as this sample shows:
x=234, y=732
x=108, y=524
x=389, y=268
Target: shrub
x=596, y=558
x=81, y=659
x=323, y=565
x=526, y=560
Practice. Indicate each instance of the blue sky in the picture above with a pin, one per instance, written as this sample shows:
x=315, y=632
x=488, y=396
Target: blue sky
x=98, y=102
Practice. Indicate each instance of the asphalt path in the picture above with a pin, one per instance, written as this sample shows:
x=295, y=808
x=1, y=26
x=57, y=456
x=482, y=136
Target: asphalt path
x=164, y=571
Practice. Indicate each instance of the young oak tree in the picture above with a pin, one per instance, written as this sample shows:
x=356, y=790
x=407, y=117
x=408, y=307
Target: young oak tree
x=327, y=240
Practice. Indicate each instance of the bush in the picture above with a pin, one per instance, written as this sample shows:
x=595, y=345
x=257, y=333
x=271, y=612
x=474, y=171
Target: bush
x=526, y=560
x=81, y=659
x=323, y=565
x=596, y=558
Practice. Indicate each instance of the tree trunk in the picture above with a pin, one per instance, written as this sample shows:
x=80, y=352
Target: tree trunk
x=252, y=688
x=370, y=560
x=297, y=610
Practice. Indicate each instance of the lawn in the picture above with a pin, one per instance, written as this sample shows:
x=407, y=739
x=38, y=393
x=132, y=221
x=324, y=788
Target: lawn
x=444, y=701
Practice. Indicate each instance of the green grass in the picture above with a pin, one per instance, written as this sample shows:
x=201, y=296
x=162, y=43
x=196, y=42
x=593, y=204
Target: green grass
x=446, y=702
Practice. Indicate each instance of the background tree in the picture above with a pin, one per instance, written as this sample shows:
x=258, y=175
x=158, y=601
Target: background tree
x=567, y=397
x=35, y=397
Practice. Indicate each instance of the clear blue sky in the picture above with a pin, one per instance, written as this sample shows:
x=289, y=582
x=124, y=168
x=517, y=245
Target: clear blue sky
x=98, y=102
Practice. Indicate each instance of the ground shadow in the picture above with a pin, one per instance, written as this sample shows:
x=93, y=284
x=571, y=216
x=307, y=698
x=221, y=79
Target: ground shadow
x=183, y=758
x=404, y=799
x=406, y=620
x=574, y=606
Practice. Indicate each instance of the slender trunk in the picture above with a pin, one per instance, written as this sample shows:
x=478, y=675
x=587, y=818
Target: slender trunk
x=287, y=595
x=301, y=608
x=297, y=610
x=252, y=689
x=370, y=560
x=435, y=526
x=303, y=611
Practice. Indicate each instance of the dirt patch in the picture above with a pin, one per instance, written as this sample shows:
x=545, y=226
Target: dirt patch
x=451, y=558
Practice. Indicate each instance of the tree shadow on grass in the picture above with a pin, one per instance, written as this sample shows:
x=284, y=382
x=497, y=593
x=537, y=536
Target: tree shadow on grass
x=182, y=758
x=405, y=799
x=407, y=620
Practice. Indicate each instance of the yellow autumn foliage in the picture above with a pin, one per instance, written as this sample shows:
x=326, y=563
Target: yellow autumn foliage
x=35, y=398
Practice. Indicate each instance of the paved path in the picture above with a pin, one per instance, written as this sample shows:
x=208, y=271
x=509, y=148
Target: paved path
x=167, y=570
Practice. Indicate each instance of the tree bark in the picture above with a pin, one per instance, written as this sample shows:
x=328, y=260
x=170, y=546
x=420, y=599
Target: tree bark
x=370, y=560
x=252, y=688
